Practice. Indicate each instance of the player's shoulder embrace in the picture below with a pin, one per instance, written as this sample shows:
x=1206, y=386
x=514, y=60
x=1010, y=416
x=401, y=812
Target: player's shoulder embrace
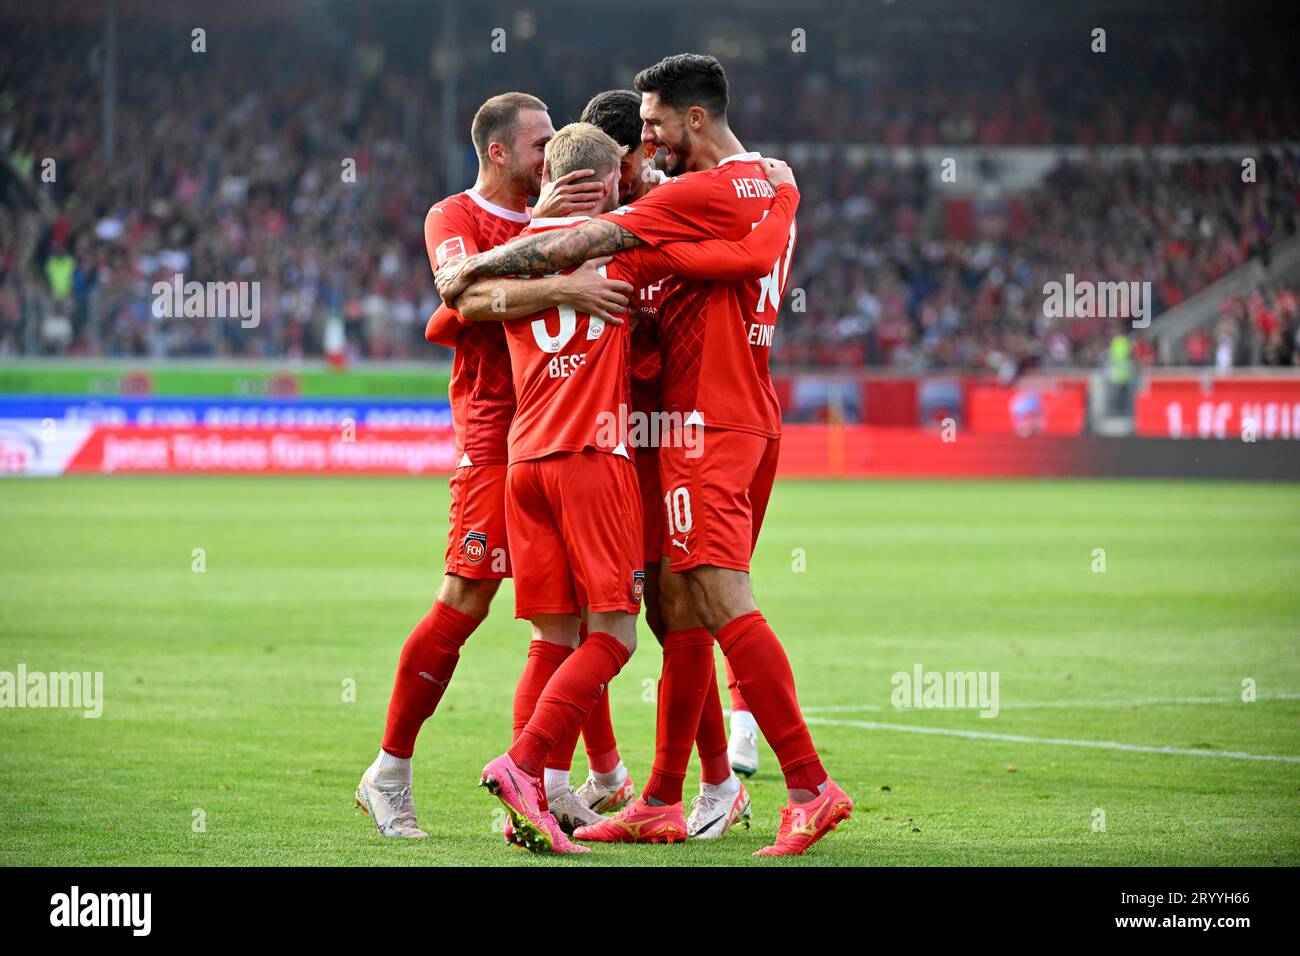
x=445, y=205
x=450, y=216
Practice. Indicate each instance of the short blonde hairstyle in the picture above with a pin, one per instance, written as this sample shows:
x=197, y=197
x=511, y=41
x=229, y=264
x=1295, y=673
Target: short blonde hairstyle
x=583, y=146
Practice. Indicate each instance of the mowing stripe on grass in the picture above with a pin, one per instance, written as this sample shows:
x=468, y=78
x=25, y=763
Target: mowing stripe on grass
x=1033, y=704
x=1054, y=741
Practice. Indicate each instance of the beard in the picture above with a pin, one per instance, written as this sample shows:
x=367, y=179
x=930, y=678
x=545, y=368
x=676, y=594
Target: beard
x=526, y=179
x=674, y=162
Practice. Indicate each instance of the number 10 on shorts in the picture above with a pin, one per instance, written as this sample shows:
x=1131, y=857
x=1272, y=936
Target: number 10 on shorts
x=678, y=505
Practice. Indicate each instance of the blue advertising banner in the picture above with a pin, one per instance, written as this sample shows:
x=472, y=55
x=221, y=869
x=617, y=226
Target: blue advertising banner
x=157, y=412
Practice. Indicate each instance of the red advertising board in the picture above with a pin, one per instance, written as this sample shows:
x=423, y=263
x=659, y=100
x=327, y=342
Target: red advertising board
x=868, y=451
x=1263, y=409
x=123, y=450
x=1047, y=407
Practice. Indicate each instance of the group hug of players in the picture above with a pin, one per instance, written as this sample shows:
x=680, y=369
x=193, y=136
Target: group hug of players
x=623, y=292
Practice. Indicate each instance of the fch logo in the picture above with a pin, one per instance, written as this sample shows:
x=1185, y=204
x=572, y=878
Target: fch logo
x=638, y=585
x=474, y=546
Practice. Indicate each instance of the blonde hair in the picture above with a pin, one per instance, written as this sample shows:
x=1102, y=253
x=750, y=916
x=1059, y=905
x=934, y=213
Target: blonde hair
x=583, y=146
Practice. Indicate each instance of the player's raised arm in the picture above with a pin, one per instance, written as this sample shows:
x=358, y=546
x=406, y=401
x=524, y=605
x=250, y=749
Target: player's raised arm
x=728, y=260
x=568, y=195
x=500, y=299
x=547, y=252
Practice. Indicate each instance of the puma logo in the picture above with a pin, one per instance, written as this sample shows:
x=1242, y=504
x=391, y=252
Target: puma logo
x=682, y=544
x=433, y=680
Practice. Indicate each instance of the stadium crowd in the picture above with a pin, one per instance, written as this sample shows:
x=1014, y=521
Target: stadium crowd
x=883, y=292
x=239, y=173
x=1262, y=328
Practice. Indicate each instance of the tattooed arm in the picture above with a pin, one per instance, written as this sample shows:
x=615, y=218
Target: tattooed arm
x=549, y=251
x=586, y=290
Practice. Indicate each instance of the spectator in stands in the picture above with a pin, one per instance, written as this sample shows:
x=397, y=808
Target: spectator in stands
x=229, y=169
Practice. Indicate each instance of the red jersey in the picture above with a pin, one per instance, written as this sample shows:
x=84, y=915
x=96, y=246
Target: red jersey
x=716, y=335
x=647, y=367
x=481, y=392
x=572, y=372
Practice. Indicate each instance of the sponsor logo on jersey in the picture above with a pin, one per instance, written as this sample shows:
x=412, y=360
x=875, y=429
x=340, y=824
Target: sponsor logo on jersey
x=638, y=585
x=450, y=249
x=474, y=547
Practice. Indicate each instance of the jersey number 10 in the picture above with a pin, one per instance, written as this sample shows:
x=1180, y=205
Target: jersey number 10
x=770, y=286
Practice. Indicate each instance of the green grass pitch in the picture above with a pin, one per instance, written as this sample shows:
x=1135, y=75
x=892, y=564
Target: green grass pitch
x=225, y=690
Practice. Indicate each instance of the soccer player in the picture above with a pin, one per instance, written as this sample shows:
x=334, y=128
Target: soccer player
x=572, y=500
x=509, y=132
x=722, y=801
x=718, y=338
x=608, y=786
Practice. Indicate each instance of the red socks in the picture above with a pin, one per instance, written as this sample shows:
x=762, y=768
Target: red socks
x=687, y=672
x=424, y=669
x=733, y=685
x=561, y=755
x=598, y=737
x=761, y=666
x=568, y=697
x=597, y=734
x=544, y=658
x=711, y=737
x=723, y=766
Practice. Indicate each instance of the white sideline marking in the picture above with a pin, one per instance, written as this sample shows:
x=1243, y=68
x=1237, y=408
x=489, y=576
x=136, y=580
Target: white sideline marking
x=1056, y=741
x=841, y=709
x=1034, y=704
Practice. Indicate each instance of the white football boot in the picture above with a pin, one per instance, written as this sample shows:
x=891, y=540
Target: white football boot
x=717, y=808
x=386, y=797
x=607, y=797
x=742, y=745
x=569, y=811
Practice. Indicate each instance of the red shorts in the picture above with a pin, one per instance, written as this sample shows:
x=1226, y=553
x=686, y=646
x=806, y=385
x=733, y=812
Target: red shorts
x=652, y=504
x=575, y=526
x=477, y=545
x=715, y=501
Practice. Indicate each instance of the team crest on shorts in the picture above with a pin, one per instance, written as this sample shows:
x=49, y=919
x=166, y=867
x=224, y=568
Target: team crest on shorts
x=638, y=585
x=474, y=547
